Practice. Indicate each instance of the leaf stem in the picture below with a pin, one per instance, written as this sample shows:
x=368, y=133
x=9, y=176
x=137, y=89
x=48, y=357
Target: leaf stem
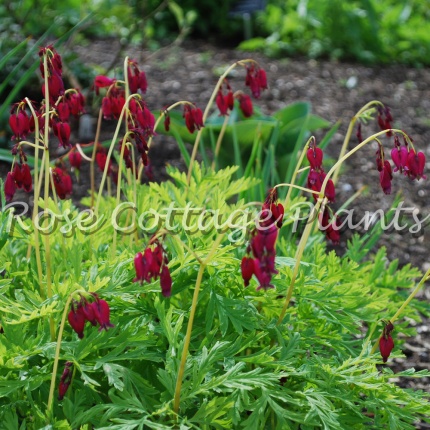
x=187, y=339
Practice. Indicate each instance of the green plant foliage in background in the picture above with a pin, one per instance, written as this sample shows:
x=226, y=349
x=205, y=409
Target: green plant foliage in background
x=368, y=31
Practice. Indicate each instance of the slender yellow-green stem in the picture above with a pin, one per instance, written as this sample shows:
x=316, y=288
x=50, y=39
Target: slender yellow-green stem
x=111, y=148
x=54, y=193
x=394, y=318
x=206, y=261
x=350, y=130
x=118, y=191
x=36, y=193
x=299, y=253
x=46, y=193
x=219, y=140
x=297, y=169
x=93, y=157
x=57, y=350
x=206, y=112
x=297, y=187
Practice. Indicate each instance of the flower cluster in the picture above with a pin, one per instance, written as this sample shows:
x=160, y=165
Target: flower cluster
x=261, y=253
x=386, y=343
x=193, y=118
x=96, y=312
x=256, y=80
x=405, y=158
x=65, y=380
x=315, y=181
x=64, y=104
x=19, y=177
x=140, y=120
x=153, y=264
x=225, y=102
x=19, y=121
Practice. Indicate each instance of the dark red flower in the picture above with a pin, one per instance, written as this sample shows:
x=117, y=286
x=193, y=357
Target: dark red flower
x=101, y=81
x=19, y=123
x=54, y=61
x=263, y=270
x=247, y=269
x=262, y=79
x=146, y=120
x=315, y=157
x=117, y=103
x=76, y=103
x=107, y=108
x=221, y=103
x=102, y=313
x=22, y=176
x=245, y=105
x=385, y=119
x=229, y=99
x=399, y=155
x=256, y=79
x=101, y=159
x=331, y=229
x=153, y=264
x=193, y=118
x=386, y=343
x=62, y=131
x=415, y=165
x=9, y=187
x=77, y=320
x=75, y=159
x=65, y=380
x=62, y=183
x=88, y=311
x=165, y=281
x=330, y=192
x=136, y=78
x=63, y=111
x=26, y=179
x=55, y=87
x=385, y=177
x=166, y=121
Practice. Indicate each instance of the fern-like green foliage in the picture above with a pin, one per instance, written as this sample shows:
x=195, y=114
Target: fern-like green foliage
x=313, y=371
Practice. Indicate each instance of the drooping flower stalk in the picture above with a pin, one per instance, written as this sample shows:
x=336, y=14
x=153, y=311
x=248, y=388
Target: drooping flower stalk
x=208, y=107
x=57, y=353
x=411, y=296
x=321, y=202
x=219, y=140
x=46, y=191
x=93, y=157
x=203, y=265
x=296, y=171
x=351, y=129
x=109, y=154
